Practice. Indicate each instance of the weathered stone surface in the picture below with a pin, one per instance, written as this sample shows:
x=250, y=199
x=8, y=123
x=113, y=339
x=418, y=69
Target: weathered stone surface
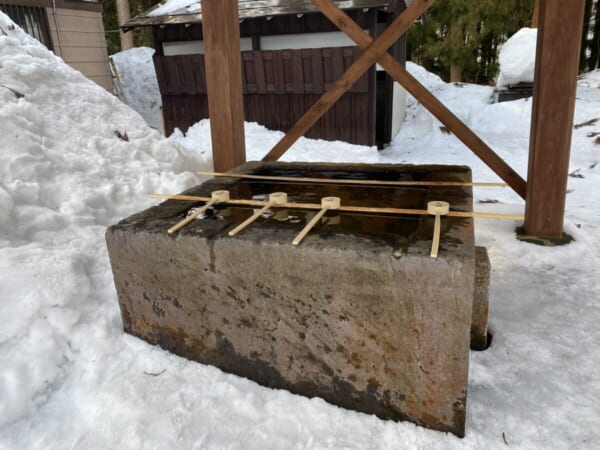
x=358, y=314
x=481, y=300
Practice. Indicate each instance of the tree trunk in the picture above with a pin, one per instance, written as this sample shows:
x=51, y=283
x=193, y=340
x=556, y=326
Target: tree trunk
x=124, y=15
x=594, y=39
x=456, y=73
x=536, y=14
x=584, y=63
x=595, y=58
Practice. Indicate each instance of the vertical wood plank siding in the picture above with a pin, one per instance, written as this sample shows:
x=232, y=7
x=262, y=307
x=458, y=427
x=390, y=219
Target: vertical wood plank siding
x=279, y=86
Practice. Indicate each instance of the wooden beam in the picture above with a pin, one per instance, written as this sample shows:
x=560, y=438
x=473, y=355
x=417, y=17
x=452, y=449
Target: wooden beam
x=222, y=60
x=556, y=70
x=428, y=100
x=354, y=72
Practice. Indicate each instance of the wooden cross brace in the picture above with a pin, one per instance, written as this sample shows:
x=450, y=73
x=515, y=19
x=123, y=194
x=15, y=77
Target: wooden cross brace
x=375, y=51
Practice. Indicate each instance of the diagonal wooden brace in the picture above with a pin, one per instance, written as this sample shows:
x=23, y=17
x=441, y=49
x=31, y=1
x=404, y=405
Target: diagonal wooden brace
x=427, y=99
x=373, y=51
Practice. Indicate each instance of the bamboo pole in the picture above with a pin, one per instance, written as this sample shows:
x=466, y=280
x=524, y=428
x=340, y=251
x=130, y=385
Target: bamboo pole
x=327, y=203
x=351, y=209
x=347, y=181
x=216, y=197
x=276, y=198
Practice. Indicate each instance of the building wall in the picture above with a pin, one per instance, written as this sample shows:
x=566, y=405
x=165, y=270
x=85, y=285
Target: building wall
x=78, y=37
x=177, y=47
x=278, y=86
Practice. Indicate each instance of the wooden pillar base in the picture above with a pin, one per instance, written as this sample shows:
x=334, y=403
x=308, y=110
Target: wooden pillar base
x=564, y=239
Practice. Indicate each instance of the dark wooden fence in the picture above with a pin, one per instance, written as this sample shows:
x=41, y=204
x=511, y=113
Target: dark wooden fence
x=279, y=86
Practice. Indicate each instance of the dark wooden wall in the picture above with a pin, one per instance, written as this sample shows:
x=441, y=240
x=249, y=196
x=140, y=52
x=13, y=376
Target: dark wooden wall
x=279, y=86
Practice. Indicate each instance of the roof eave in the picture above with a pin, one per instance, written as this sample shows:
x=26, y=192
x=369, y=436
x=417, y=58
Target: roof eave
x=144, y=20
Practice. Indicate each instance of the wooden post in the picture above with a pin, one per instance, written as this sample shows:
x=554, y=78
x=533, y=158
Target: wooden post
x=224, y=82
x=556, y=70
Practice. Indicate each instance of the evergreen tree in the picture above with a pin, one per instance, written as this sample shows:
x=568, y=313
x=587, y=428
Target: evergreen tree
x=142, y=36
x=460, y=39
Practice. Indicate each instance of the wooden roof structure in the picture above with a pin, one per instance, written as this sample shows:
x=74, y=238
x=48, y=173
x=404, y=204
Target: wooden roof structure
x=247, y=9
x=559, y=43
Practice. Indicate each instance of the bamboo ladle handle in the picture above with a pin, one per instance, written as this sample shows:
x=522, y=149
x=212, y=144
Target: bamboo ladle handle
x=327, y=203
x=216, y=197
x=437, y=209
x=276, y=198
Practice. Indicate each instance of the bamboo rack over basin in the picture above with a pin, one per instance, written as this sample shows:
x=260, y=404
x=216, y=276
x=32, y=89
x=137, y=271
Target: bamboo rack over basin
x=351, y=209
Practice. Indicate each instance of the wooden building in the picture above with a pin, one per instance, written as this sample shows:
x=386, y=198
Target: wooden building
x=72, y=29
x=291, y=54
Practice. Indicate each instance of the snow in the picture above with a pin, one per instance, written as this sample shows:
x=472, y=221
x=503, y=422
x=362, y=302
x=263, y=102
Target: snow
x=178, y=7
x=590, y=79
x=259, y=141
x=517, y=58
x=70, y=377
x=139, y=86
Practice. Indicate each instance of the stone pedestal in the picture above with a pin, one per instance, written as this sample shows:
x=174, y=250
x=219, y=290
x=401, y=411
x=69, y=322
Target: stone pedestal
x=359, y=314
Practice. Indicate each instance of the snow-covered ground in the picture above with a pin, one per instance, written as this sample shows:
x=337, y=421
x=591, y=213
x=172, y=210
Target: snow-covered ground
x=139, y=87
x=70, y=378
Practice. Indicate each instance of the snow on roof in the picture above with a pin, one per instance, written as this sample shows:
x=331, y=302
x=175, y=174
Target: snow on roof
x=169, y=7
x=190, y=11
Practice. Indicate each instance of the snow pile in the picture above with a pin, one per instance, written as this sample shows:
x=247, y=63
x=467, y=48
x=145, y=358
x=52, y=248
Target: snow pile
x=73, y=159
x=259, y=140
x=70, y=378
x=139, y=86
x=517, y=58
x=427, y=79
